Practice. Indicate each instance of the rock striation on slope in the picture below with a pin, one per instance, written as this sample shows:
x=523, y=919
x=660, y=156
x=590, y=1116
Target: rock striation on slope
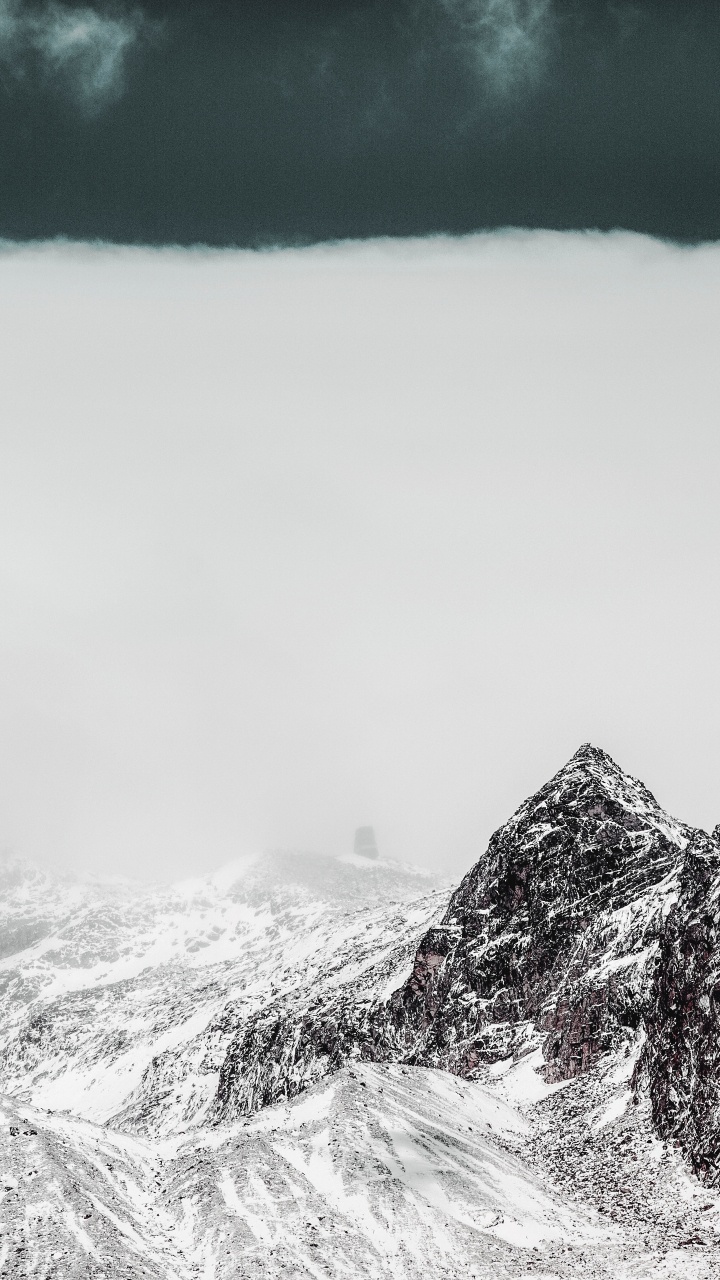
x=376, y=1173
x=550, y=939
x=680, y=1064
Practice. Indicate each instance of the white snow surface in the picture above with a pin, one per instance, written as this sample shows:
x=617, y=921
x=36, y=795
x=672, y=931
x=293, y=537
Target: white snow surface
x=378, y=1171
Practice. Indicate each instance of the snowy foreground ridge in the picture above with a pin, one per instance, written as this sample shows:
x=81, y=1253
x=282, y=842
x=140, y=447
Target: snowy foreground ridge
x=306, y=1066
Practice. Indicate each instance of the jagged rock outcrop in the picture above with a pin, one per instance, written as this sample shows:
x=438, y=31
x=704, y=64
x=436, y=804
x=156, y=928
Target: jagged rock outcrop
x=681, y=1060
x=551, y=938
x=554, y=927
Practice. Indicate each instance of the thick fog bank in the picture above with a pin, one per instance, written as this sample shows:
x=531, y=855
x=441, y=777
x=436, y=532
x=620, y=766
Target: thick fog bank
x=296, y=542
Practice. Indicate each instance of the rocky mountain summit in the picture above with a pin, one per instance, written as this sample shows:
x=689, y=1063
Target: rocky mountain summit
x=308, y=1066
x=550, y=940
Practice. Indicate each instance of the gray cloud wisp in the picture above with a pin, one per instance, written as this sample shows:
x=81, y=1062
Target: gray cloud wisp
x=79, y=49
x=507, y=39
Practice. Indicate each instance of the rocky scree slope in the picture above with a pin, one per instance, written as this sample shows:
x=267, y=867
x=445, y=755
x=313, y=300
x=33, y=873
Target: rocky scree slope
x=550, y=940
x=380, y=1172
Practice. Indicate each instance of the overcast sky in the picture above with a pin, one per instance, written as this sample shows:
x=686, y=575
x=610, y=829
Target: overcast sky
x=266, y=121
x=380, y=533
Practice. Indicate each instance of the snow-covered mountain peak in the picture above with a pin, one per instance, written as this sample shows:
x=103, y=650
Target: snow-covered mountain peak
x=307, y=1065
x=592, y=788
x=549, y=939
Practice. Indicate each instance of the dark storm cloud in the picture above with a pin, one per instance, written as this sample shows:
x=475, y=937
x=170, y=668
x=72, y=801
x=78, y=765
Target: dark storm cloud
x=311, y=119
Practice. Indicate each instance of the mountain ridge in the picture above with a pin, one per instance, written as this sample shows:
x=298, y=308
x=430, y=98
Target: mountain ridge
x=337, y=1067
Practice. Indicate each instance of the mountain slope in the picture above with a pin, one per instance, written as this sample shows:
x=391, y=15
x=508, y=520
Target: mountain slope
x=382, y=1171
x=386, y=1172
x=125, y=1001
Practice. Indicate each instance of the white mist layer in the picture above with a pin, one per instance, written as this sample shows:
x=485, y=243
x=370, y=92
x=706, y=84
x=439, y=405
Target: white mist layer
x=292, y=542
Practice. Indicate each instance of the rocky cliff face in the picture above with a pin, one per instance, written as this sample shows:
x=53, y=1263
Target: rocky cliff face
x=550, y=939
x=681, y=1062
x=552, y=932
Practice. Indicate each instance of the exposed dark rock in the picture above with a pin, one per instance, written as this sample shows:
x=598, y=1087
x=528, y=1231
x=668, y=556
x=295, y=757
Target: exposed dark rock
x=365, y=843
x=681, y=1062
x=17, y=935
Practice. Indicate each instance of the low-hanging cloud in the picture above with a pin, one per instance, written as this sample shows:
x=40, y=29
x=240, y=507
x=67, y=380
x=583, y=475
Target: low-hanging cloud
x=295, y=541
x=507, y=39
x=80, y=49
